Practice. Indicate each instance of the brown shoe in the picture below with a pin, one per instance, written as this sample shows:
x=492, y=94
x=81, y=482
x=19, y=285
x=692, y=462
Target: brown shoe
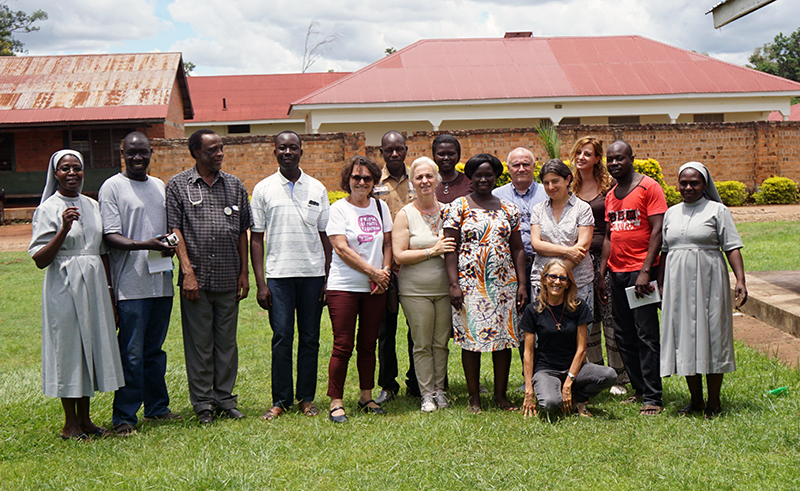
x=272, y=413
x=124, y=429
x=308, y=408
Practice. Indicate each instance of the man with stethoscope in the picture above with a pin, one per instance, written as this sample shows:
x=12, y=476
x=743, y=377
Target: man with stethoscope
x=209, y=211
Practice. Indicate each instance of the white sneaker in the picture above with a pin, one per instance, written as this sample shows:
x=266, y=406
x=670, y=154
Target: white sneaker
x=441, y=399
x=428, y=404
x=618, y=390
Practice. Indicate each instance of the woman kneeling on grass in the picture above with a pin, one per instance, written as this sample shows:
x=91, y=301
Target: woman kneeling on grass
x=80, y=353
x=556, y=325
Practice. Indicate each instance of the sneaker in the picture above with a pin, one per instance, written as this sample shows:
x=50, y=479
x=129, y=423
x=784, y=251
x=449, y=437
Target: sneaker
x=619, y=390
x=385, y=395
x=428, y=404
x=441, y=399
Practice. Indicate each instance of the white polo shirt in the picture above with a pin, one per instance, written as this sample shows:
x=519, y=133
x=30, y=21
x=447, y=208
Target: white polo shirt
x=291, y=217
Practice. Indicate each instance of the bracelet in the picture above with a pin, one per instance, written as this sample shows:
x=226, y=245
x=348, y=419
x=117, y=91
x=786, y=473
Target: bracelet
x=571, y=377
x=427, y=253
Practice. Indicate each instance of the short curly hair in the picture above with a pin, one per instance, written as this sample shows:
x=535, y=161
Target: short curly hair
x=359, y=160
x=483, y=158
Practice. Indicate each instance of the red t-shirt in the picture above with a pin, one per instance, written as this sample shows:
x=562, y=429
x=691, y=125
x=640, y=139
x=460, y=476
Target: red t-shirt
x=630, y=227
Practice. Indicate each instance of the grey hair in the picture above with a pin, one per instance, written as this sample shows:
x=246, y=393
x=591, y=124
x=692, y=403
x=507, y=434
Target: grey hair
x=425, y=161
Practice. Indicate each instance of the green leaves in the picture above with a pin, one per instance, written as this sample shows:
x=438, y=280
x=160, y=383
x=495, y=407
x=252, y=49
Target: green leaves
x=13, y=22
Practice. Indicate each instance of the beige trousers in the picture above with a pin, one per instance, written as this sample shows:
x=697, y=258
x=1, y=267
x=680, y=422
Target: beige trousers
x=430, y=320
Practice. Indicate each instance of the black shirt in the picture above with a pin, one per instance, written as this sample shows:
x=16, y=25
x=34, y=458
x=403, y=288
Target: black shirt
x=555, y=349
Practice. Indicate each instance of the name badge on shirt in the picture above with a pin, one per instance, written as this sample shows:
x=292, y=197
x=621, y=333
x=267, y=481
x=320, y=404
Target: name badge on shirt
x=311, y=202
x=380, y=190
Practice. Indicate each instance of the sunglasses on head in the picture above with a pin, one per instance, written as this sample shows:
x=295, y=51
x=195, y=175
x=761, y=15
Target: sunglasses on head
x=554, y=277
x=366, y=179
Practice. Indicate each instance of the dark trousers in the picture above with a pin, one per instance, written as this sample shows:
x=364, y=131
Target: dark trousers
x=143, y=327
x=387, y=356
x=636, y=331
x=290, y=295
x=209, y=345
x=344, y=308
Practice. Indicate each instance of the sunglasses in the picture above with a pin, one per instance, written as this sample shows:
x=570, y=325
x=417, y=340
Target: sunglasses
x=357, y=178
x=554, y=277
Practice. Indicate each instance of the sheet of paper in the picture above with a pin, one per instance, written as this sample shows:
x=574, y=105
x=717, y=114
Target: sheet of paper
x=635, y=302
x=157, y=263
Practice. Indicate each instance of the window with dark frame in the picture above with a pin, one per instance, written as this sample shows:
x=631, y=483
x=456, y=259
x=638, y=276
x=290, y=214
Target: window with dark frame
x=236, y=129
x=709, y=118
x=99, y=146
x=569, y=121
x=6, y=152
x=623, y=120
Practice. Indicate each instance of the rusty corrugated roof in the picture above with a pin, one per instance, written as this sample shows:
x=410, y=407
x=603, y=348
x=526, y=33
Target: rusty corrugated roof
x=90, y=87
x=520, y=68
x=252, y=97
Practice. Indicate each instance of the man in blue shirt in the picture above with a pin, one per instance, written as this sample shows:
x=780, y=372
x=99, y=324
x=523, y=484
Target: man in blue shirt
x=525, y=193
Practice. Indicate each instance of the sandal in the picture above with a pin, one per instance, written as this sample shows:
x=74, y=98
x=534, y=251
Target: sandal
x=690, y=409
x=632, y=399
x=272, y=413
x=650, y=410
x=99, y=432
x=711, y=412
x=507, y=406
x=580, y=410
x=474, y=409
x=308, y=408
x=365, y=406
x=337, y=419
x=80, y=437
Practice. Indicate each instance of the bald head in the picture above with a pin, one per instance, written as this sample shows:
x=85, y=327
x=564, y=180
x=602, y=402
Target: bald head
x=520, y=168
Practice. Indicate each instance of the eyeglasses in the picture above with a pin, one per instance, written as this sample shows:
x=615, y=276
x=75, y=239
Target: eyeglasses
x=357, y=178
x=554, y=277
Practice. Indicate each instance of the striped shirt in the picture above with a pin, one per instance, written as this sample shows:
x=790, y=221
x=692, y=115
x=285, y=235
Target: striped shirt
x=211, y=218
x=291, y=217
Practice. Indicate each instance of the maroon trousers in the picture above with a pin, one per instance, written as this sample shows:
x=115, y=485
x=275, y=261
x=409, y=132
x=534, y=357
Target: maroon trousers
x=343, y=308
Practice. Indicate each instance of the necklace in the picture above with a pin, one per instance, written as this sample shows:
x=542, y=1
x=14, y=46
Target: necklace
x=447, y=185
x=558, y=322
x=432, y=219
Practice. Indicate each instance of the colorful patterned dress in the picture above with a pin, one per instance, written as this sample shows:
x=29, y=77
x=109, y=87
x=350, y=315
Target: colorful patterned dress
x=487, y=320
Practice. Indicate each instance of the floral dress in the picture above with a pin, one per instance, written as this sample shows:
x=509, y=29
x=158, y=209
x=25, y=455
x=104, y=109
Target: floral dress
x=487, y=320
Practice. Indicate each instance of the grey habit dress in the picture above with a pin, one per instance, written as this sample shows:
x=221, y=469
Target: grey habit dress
x=80, y=353
x=697, y=310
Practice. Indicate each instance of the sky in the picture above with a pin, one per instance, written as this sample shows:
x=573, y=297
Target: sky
x=224, y=37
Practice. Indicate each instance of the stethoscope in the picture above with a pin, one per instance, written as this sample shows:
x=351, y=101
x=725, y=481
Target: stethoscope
x=228, y=210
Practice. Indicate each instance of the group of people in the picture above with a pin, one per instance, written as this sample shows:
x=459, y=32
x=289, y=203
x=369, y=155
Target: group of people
x=542, y=267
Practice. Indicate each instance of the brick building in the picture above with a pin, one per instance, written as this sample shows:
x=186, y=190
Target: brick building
x=87, y=103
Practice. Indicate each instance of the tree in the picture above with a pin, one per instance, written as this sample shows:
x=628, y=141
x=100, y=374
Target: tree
x=15, y=22
x=781, y=57
x=548, y=136
x=312, y=54
x=188, y=67
x=390, y=51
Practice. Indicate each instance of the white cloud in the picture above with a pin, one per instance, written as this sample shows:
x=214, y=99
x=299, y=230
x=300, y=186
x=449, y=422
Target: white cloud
x=253, y=36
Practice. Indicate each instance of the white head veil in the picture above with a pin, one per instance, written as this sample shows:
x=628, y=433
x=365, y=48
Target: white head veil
x=711, y=190
x=52, y=183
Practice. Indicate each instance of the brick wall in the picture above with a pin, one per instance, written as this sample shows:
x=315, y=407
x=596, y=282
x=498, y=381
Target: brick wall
x=33, y=148
x=748, y=152
x=250, y=158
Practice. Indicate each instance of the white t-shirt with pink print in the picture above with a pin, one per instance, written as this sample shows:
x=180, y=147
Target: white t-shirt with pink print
x=362, y=227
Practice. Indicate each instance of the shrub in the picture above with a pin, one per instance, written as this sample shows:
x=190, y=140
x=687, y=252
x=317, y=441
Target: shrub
x=776, y=191
x=334, y=196
x=652, y=169
x=732, y=193
x=502, y=179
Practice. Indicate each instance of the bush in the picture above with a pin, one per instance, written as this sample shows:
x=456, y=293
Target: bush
x=732, y=193
x=502, y=179
x=652, y=169
x=776, y=191
x=334, y=196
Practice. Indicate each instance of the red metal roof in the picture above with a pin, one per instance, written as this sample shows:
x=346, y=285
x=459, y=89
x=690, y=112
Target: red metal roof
x=793, y=116
x=520, y=68
x=35, y=89
x=252, y=97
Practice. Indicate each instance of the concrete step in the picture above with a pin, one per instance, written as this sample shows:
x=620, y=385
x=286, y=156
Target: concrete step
x=774, y=298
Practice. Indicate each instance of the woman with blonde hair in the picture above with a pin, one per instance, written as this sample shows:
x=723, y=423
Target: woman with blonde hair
x=419, y=246
x=556, y=373
x=591, y=182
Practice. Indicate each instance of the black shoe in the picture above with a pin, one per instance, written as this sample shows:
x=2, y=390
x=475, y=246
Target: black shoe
x=337, y=419
x=386, y=395
x=231, y=413
x=205, y=417
x=364, y=406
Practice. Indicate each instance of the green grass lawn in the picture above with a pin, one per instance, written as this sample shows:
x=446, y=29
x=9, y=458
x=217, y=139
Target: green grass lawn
x=755, y=444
